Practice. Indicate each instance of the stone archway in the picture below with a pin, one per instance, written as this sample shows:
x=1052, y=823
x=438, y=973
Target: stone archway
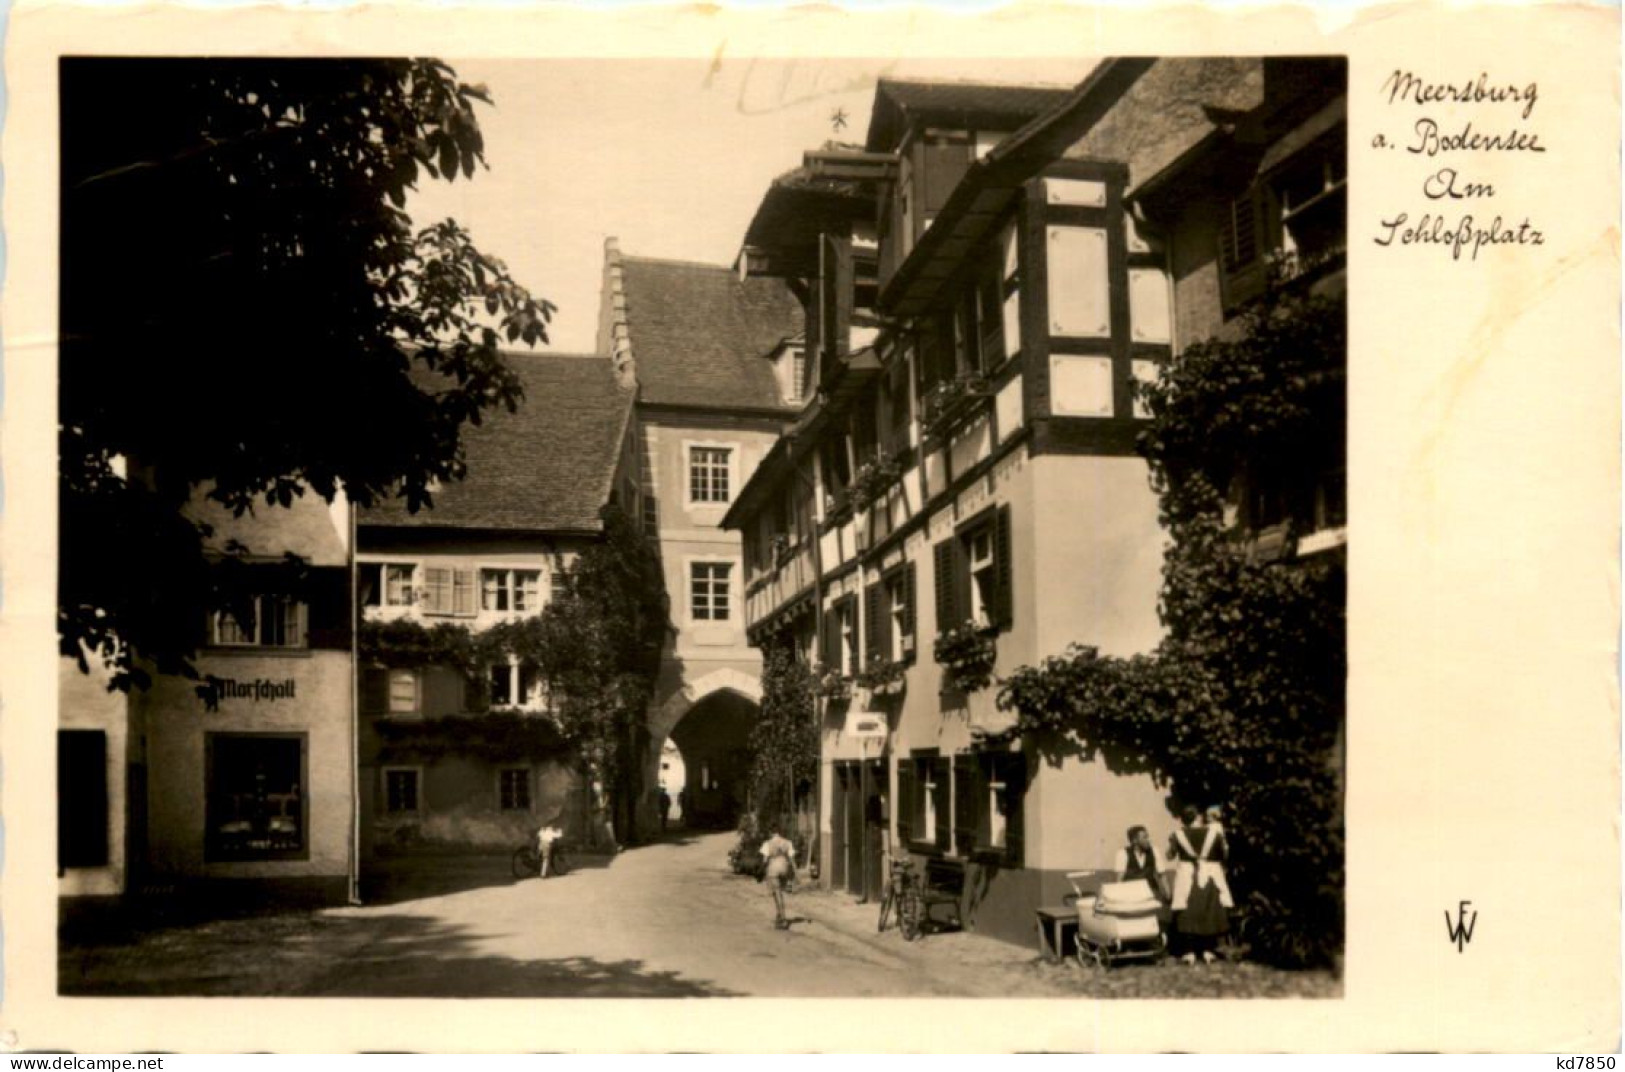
x=710, y=721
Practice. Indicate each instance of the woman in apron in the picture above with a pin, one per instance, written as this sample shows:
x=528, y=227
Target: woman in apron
x=1200, y=915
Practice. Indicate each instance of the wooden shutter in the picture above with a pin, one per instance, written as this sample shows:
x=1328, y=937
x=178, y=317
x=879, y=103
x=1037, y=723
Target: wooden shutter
x=1015, y=794
x=1243, y=241
x=830, y=652
x=328, y=625
x=943, y=561
x=940, y=799
x=874, y=615
x=835, y=301
x=909, y=617
x=905, y=800
x=946, y=158
x=81, y=798
x=374, y=690
x=967, y=813
x=1004, y=606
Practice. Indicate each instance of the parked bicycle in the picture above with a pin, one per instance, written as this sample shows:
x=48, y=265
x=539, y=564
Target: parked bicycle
x=539, y=857
x=903, y=900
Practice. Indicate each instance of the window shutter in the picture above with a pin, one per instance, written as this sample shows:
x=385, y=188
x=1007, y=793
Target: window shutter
x=328, y=624
x=908, y=611
x=1004, y=610
x=946, y=613
x=81, y=799
x=1015, y=795
x=905, y=801
x=1243, y=240
x=967, y=815
x=831, y=640
x=374, y=690
x=939, y=800
x=874, y=627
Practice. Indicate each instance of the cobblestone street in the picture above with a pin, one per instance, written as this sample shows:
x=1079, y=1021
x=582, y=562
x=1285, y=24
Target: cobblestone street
x=665, y=920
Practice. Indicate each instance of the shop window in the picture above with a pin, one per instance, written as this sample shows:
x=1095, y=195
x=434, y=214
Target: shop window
x=708, y=474
x=269, y=622
x=256, y=805
x=403, y=790
x=448, y=591
x=513, y=788
x=710, y=592
x=517, y=590
x=403, y=692
x=973, y=575
x=81, y=798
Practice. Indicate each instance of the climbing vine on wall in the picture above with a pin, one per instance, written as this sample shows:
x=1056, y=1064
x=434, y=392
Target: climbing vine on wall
x=1243, y=701
x=596, y=643
x=784, y=740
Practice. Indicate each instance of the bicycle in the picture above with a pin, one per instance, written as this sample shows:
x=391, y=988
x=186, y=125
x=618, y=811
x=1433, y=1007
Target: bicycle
x=902, y=900
x=528, y=862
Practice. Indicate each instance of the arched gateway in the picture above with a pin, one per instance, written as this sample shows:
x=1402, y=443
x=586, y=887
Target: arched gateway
x=710, y=722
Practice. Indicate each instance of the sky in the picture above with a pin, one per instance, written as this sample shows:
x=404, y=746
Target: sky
x=669, y=156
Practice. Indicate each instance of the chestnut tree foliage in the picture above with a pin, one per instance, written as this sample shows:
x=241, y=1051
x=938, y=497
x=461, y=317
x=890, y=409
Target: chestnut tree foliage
x=248, y=311
x=1243, y=701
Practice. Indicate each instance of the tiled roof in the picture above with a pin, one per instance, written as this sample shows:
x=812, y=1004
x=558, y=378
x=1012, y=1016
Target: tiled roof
x=954, y=104
x=545, y=467
x=701, y=337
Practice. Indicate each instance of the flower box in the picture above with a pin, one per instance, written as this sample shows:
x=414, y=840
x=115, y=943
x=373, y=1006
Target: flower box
x=948, y=401
x=966, y=654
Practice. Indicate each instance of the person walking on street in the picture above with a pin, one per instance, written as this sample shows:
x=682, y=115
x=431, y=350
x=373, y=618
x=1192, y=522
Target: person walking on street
x=665, y=808
x=779, y=861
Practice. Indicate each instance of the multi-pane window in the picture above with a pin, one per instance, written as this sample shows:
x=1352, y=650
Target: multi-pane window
x=513, y=787
x=270, y=622
x=518, y=685
x=709, y=591
x=511, y=590
x=401, y=789
x=900, y=641
x=448, y=591
x=708, y=474
x=397, y=585
x=984, y=576
x=846, y=615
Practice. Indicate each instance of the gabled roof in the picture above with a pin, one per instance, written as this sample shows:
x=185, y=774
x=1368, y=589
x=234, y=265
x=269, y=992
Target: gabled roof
x=701, y=336
x=962, y=105
x=547, y=467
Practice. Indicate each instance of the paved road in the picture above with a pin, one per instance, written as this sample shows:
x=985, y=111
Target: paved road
x=664, y=920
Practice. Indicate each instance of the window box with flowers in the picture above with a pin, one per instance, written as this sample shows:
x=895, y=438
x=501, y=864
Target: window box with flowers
x=833, y=685
x=875, y=476
x=949, y=400
x=883, y=677
x=966, y=655
x=837, y=508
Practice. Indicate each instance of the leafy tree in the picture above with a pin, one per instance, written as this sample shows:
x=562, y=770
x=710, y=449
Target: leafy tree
x=248, y=312
x=784, y=738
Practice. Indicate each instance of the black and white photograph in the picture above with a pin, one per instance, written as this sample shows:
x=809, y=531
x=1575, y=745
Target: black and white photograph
x=552, y=531
x=912, y=564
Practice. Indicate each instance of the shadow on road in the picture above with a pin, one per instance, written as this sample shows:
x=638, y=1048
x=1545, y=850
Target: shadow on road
x=395, y=880
x=347, y=956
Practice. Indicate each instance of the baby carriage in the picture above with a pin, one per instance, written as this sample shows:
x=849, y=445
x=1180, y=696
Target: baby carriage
x=1120, y=922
